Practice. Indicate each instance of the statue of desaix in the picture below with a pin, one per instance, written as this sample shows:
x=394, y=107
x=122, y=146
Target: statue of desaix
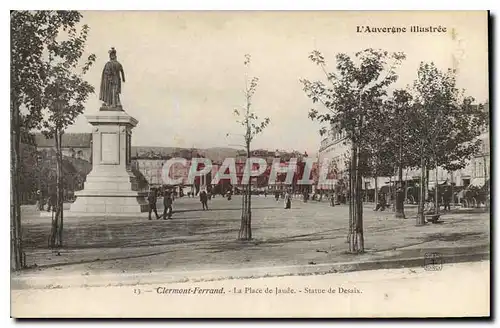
x=111, y=83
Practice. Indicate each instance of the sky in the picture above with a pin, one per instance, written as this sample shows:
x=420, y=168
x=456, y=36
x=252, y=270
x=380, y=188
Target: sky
x=185, y=73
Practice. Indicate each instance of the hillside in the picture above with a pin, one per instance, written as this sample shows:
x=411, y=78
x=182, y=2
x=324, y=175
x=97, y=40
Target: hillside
x=216, y=154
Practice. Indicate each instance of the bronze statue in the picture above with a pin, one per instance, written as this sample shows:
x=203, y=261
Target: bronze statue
x=111, y=85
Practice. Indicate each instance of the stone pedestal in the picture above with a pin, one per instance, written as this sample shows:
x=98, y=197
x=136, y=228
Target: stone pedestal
x=111, y=187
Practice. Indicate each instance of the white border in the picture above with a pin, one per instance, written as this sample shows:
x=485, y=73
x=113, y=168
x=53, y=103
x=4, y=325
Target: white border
x=188, y=5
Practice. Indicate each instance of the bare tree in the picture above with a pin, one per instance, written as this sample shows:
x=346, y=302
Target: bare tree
x=252, y=127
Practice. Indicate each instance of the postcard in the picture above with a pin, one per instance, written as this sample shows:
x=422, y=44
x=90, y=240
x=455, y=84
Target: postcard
x=250, y=164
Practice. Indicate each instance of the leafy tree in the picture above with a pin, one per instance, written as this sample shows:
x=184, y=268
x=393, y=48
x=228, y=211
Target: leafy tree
x=399, y=146
x=446, y=124
x=45, y=49
x=353, y=98
x=29, y=32
x=380, y=152
x=252, y=127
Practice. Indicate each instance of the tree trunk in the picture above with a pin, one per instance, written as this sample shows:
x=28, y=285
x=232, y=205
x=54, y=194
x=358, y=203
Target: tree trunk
x=399, y=200
x=356, y=242
x=360, y=242
x=17, y=254
x=451, y=189
x=56, y=233
x=376, y=191
x=243, y=226
x=350, y=238
x=60, y=199
x=436, y=189
x=249, y=213
x=427, y=180
x=245, y=232
x=406, y=186
x=420, y=215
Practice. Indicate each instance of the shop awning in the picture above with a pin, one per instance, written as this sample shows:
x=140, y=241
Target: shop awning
x=477, y=182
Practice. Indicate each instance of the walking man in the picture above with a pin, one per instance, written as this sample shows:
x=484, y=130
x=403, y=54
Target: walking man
x=447, y=198
x=167, y=203
x=288, y=200
x=152, y=203
x=39, y=200
x=204, y=199
x=51, y=201
x=381, y=202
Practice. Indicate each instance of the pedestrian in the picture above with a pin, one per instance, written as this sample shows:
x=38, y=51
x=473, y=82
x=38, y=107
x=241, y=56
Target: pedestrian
x=51, y=201
x=152, y=198
x=381, y=202
x=39, y=200
x=447, y=199
x=204, y=199
x=288, y=200
x=277, y=196
x=167, y=203
x=332, y=200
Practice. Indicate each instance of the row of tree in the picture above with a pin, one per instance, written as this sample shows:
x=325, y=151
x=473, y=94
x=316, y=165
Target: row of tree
x=429, y=124
x=47, y=93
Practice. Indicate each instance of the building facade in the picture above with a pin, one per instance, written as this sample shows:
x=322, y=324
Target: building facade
x=476, y=173
x=334, y=153
x=74, y=145
x=335, y=150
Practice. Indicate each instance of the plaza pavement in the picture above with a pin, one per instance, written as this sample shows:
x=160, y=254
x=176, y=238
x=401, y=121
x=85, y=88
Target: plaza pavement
x=308, y=239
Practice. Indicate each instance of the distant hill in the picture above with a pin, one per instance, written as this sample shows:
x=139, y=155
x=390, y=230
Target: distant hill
x=218, y=154
x=143, y=151
x=215, y=154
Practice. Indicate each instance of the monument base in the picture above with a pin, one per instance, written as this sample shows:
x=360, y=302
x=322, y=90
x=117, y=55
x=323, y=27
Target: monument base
x=110, y=203
x=110, y=191
x=111, y=187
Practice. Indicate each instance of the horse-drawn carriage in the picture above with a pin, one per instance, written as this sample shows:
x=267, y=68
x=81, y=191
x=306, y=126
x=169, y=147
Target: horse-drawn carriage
x=469, y=197
x=474, y=196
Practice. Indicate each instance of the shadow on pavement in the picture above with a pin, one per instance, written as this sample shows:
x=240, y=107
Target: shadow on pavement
x=453, y=236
